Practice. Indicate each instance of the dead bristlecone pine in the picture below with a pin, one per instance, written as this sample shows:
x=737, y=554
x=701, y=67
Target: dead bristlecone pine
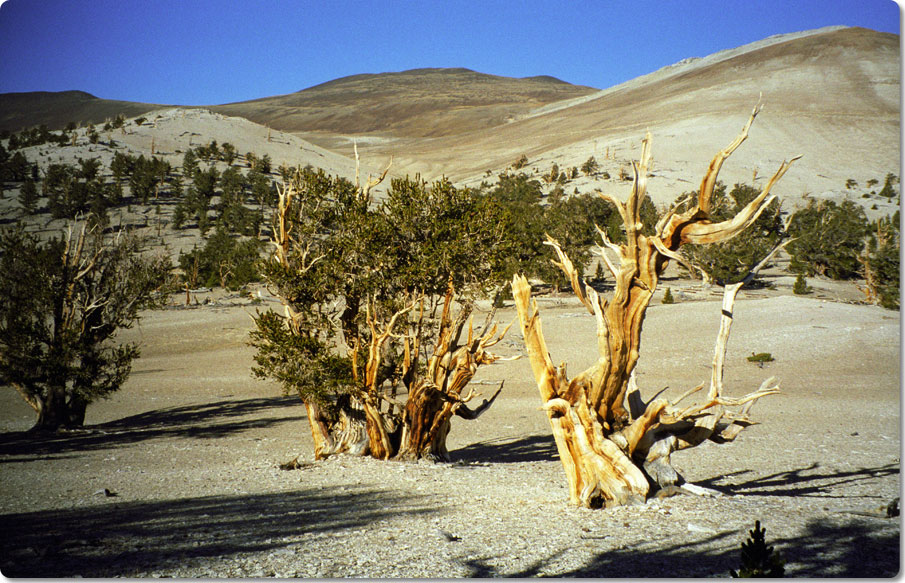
x=614, y=445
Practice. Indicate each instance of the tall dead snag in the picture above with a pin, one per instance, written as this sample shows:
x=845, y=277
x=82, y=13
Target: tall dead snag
x=612, y=444
x=369, y=312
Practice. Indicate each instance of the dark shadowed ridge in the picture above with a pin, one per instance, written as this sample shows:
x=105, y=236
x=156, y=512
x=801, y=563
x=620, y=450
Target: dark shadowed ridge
x=56, y=109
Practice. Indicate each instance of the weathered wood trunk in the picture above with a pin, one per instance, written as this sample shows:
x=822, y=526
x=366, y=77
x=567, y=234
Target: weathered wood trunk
x=613, y=446
x=344, y=432
x=52, y=412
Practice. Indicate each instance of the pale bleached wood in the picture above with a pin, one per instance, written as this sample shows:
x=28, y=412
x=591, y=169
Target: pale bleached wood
x=598, y=441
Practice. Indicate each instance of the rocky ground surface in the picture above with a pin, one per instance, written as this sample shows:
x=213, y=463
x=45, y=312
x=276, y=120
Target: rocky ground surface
x=176, y=475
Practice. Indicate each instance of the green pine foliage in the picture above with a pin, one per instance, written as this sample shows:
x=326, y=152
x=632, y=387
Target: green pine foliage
x=880, y=261
x=234, y=216
x=224, y=260
x=64, y=300
x=377, y=258
x=667, y=297
x=517, y=201
x=28, y=196
x=758, y=559
x=36, y=136
x=828, y=239
x=801, y=287
x=888, y=190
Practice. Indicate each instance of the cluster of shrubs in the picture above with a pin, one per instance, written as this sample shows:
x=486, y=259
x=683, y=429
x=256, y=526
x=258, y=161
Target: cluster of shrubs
x=228, y=206
x=828, y=239
x=36, y=136
x=231, y=208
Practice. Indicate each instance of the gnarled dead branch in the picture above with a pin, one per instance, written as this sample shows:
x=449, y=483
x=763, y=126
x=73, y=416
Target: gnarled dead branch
x=612, y=454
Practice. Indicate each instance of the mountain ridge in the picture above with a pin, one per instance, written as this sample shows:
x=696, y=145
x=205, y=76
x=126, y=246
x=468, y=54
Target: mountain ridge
x=831, y=94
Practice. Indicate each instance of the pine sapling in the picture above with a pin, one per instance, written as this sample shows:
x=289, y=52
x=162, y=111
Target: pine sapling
x=667, y=297
x=801, y=286
x=759, y=560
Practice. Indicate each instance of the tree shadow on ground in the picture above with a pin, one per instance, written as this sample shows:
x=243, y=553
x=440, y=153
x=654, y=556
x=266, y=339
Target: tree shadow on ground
x=812, y=481
x=203, y=421
x=505, y=450
x=134, y=538
x=826, y=548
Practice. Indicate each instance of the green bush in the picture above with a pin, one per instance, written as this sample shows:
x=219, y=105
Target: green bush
x=888, y=191
x=880, y=261
x=64, y=299
x=801, y=287
x=761, y=357
x=377, y=258
x=758, y=559
x=829, y=239
x=224, y=261
x=28, y=196
x=667, y=297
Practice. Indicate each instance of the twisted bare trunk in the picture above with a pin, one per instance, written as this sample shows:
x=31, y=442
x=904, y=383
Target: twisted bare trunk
x=613, y=446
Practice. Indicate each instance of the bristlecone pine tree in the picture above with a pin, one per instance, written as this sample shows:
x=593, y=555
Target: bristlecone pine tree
x=615, y=447
x=370, y=308
x=64, y=301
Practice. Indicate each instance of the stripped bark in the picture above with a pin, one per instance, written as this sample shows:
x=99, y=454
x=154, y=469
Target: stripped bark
x=613, y=445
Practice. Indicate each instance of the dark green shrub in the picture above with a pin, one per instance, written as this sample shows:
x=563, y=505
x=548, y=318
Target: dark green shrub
x=571, y=221
x=801, y=287
x=667, y=297
x=63, y=301
x=758, y=559
x=28, y=196
x=888, y=191
x=378, y=258
x=829, y=238
x=880, y=261
x=224, y=261
x=760, y=358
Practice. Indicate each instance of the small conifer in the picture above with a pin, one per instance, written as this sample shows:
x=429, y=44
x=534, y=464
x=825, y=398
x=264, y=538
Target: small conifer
x=667, y=297
x=801, y=286
x=759, y=560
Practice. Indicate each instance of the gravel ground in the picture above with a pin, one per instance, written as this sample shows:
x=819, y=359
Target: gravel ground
x=176, y=475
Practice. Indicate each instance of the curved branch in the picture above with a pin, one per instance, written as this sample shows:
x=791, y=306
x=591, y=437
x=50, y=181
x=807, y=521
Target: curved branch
x=703, y=232
x=705, y=193
x=470, y=414
x=568, y=268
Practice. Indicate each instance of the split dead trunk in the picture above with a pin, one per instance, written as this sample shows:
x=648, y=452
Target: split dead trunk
x=612, y=444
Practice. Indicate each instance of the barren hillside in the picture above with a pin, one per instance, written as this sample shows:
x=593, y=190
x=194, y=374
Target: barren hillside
x=56, y=109
x=177, y=474
x=831, y=96
x=417, y=103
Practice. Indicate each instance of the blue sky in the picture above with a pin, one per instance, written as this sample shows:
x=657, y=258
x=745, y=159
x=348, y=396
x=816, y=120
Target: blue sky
x=206, y=52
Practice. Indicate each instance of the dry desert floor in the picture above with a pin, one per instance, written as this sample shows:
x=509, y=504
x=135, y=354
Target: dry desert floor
x=176, y=475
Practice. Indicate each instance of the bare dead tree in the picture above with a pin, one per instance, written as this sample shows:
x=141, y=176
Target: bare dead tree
x=611, y=443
